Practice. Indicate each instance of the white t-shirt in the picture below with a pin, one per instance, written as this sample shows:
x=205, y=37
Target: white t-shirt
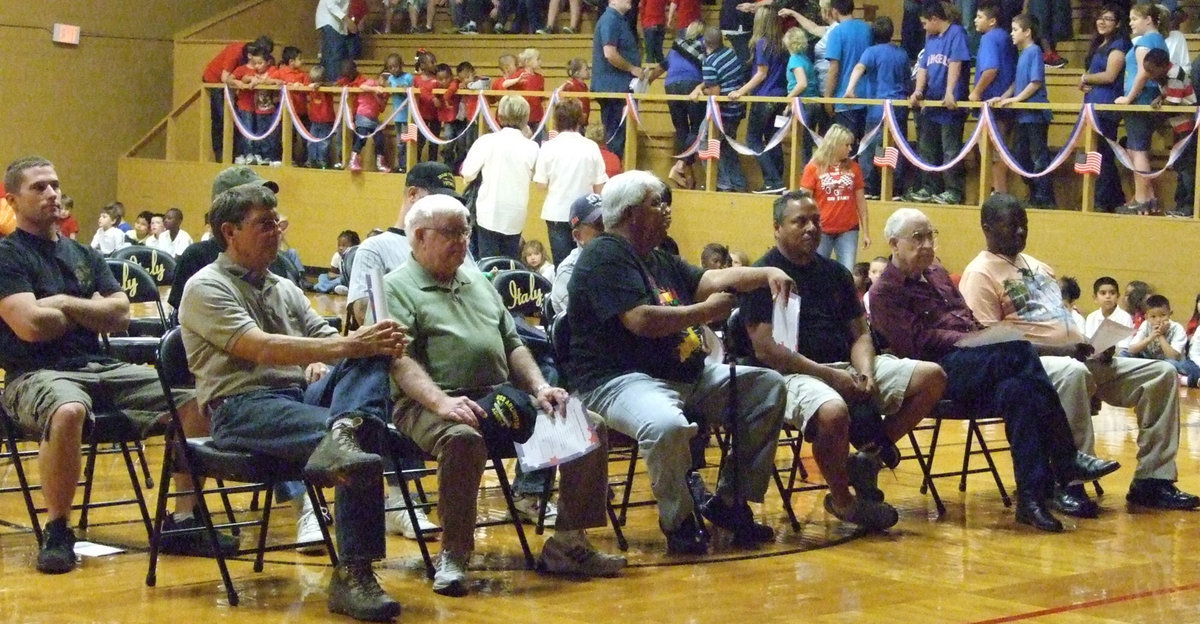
x=1177, y=50
x=1176, y=337
x=331, y=13
x=176, y=246
x=1097, y=317
x=570, y=165
x=108, y=241
x=506, y=160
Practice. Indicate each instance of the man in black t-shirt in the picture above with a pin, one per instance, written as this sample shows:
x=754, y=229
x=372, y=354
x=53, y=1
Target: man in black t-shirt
x=56, y=296
x=833, y=364
x=637, y=356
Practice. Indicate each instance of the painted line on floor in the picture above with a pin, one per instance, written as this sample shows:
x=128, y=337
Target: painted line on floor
x=1090, y=603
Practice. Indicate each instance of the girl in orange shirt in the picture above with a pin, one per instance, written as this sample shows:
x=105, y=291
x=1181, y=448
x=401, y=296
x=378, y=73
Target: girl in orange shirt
x=836, y=183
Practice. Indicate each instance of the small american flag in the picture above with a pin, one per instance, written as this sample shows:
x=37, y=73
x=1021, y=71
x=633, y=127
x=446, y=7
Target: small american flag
x=1087, y=162
x=887, y=157
x=711, y=151
x=410, y=133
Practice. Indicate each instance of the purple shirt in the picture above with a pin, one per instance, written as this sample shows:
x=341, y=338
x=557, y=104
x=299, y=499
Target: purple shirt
x=920, y=318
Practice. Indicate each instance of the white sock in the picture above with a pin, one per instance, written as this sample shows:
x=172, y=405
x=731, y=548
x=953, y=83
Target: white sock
x=181, y=516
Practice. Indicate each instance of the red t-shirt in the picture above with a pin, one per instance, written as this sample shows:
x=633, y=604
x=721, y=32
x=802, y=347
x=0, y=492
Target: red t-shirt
x=612, y=164
x=688, y=11
x=424, y=86
x=320, y=107
x=448, y=111
x=289, y=76
x=652, y=13
x=245, y=97
x=836, y=190
x=578, y=86
x=358, y=10
x=225, y=61
x=68, y=227
x=531, y=81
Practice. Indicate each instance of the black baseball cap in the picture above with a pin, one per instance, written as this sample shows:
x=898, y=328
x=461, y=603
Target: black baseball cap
x=586, y=211
x=510, y=416
x=434, y=177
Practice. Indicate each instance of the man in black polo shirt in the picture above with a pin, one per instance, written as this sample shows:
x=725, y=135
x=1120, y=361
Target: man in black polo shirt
x=833, y=366
x=56, y=295
x=638, y=358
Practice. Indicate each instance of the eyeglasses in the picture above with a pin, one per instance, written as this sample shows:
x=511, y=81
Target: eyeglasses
x=265, y=225
x=922, y=238
x=657, y=204
x=1106, y=18
x=454, y=233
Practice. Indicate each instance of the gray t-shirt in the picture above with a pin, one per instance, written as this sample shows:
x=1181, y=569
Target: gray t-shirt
x=562, y=279
x=384, y=252
x=220, y=305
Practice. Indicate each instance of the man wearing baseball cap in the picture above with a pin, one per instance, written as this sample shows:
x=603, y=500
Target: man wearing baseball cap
x=587, y=222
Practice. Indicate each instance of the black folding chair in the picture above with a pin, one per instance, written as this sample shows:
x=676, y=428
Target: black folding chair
x=499, y=264
x=159, y=264
x=948, y=410
x=140, y=344
x=200, y=459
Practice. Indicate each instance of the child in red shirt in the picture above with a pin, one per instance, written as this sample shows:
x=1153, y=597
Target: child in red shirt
x=449, y=113
x=321, y=117
x=295, y=77
x=680, y=13
x=256, y=72
x=366, y=108
x=528, y=79
x=653, y=16
x=578, y=74
x=424, y=82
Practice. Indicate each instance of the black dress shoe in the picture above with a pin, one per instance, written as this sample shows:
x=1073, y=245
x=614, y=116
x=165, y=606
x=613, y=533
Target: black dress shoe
x=1160, y=494
x=739, y=520
x=1088, y=468
x=1073, y=501
x=689, y=539
x=1033, y=513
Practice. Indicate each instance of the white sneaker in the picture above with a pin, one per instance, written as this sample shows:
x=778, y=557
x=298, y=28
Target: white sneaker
x=380, y=165
x=276, y=163
x=309, y=530
x=450, y=577
x=340, y=290
x=398, y=522
x=527, y=509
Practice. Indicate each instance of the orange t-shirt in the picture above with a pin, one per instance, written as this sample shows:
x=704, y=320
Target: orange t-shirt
x=836, y=190
x=225, y=61
x=8, y=218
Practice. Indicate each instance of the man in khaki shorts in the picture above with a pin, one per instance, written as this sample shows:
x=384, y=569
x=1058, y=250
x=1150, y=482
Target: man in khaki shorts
x=833, y=367
x=56, y=295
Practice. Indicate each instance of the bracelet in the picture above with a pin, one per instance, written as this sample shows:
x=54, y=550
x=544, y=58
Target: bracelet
x=538, y=390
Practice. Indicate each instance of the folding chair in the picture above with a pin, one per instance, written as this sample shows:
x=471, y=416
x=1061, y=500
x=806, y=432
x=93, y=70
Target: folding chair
x=948, y=410
x=499, y=264
x=160, y=265
x=107, y=427
x=200, y=459
x=141, y=346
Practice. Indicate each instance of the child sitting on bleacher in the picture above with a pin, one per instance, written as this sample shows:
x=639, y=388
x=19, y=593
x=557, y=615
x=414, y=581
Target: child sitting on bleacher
x=141, y=228
x=395, y=77
x=1106, y=293
x=331, y=280
x=108, y=238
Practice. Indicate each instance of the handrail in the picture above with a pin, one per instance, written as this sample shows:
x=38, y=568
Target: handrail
x=163, y=123
x=218, y=18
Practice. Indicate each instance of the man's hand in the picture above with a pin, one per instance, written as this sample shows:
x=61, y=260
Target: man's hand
x=780, y=284
x=461, y=410
x=914, y=100
x=846, y=384
x=949, y=101
x=1124, y=99
x=720, y=305
x=315, y=371
x=387, y=337
x=552, y=400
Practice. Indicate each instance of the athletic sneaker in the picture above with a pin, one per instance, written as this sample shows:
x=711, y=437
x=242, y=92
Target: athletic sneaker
x=398, y=522
x=947, y=198
x=450, y=576
x=919, y=195
x=529, y=505
x=1052, y=59
x=580, y=558
x=57, y=555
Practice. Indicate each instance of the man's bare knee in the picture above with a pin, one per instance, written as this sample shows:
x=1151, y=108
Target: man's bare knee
x=67, y=421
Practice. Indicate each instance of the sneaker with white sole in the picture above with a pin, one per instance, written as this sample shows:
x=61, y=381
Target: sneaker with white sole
x=308, y=531
x=577, y=558
x=240, y=160
x=450, y=577
x=398, y=522
x=380, y=164
x=528, y=506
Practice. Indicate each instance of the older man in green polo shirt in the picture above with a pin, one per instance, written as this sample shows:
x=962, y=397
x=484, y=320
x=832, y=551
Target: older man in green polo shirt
x=464, y=344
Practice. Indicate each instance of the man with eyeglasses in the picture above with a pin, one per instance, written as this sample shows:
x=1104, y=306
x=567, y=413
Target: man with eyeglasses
x=836, y=385
x=638, y=356
x=464, y=348
x=1005, y=285
x=922, y=315
x=254, y=343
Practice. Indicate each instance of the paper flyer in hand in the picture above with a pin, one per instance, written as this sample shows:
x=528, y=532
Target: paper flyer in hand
x=375, y=300
x=1108, y=335
x=785, y=321
x=995, y=334
x=558, y=440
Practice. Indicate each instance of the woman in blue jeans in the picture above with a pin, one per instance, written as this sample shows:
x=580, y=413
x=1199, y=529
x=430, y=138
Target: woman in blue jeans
x=769, y=79
x=836, y=183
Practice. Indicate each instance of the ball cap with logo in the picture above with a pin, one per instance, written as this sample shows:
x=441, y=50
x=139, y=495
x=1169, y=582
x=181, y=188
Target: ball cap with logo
x=510, y=416
x=586, y=211
x=434, y=177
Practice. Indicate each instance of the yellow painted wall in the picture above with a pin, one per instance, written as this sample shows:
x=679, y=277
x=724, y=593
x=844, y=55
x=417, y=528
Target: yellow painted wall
x=83, y=106
x=322, y=203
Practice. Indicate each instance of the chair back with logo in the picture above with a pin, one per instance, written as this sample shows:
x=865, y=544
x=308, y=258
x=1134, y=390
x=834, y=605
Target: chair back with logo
x=159, y=264
x=523, y=292
x=500, y=264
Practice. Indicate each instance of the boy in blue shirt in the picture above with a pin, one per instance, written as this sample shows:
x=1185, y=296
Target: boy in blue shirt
x=847, y=40
x=395, y=77
x=941, y=77
x=723, y=72
x=995, y=69
x=1029, y=135
x=882, y=70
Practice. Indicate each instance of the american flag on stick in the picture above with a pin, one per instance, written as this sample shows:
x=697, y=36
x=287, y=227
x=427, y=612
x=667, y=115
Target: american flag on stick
x=1087, y=162
x=711, y=151
x=410, y=133
x=887, y=157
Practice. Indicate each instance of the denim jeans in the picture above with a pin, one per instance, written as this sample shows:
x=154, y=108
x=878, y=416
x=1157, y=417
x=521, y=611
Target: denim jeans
x=686, y=117
x=561, y=242
x=845, y=245
x=872, y=176
x=759, y=130
x=1008, y=380
x=938, y=142
x=401, y=147
x=241, y=145
x=654, y=43
x=1185, y=185
x=366, y=125
x=497, y=244
x=318, y=151
x=854, y=120
x=216, y=110
x=270, y=148
x=333, y=50
x=1029, y=148
x=1109, y=193
x=278, y=423
x=614, y=131
x=729, y=165
x=1187, y=368
x=535, y=13
x=435, y=127
x=818, y=120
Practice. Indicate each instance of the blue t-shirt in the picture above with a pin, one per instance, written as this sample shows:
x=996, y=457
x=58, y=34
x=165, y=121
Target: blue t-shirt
x=399, y=101
x=613, y=29
x=724, y=69
x=680, y=68
x=801, y=60
x=1150, y=40
x=776, y=65
x=940, y=51
x=1105, y=93
x=1031, y=68
x=996, y=51
x=885, y=77
x=846, y=44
